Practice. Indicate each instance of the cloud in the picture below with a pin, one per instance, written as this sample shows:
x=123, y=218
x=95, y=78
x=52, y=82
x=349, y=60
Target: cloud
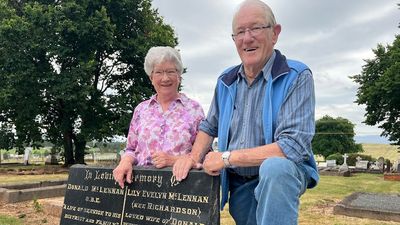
x=332, y=37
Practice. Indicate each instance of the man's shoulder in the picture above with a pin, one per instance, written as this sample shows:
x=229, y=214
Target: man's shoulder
x=229, y=75
x=297, y=65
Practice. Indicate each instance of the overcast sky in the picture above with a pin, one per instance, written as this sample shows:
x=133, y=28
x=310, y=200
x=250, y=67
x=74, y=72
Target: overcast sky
x=331, y=37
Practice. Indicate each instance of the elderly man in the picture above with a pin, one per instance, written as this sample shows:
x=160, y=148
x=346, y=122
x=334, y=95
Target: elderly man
x=263, y=115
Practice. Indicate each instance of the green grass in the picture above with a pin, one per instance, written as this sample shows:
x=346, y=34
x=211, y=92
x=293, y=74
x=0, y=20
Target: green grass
x=6, y=220
x=19, y=167
x=7, y=178
x=21, y=179
x=316, y=204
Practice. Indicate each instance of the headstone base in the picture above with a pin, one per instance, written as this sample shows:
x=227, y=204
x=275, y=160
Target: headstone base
x=392, y=176
x=335, y=173
x=52, y=160
x=370, y=205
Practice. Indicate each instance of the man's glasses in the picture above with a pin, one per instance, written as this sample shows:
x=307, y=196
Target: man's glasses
x=169, y=73
x=254, y=31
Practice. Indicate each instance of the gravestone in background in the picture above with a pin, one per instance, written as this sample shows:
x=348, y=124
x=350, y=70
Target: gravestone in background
x=381, y=163
x=331, y=163
x=154, y=197
x=344, y=167
x=362, y=164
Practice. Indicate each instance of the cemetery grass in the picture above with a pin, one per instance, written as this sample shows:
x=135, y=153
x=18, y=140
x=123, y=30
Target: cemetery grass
x=5, y=179
x=5, y=220
x=316, y=204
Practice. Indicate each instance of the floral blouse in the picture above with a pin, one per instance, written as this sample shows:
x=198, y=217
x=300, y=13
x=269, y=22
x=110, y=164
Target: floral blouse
x=172, y=131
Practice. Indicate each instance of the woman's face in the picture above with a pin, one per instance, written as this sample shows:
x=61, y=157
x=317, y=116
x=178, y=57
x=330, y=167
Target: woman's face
x=165, y=79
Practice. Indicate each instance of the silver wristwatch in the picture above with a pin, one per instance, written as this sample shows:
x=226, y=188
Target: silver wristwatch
x=225, y=159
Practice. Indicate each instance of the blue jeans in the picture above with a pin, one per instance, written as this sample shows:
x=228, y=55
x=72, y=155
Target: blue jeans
x=270, y=199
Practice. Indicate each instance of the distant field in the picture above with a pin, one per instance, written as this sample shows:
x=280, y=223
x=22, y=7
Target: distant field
x=381, y=150
x=376, y=150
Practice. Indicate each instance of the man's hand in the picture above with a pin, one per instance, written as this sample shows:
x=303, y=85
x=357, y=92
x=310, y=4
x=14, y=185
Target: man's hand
x=123, y=172
x=183, y=165
x=213, y=163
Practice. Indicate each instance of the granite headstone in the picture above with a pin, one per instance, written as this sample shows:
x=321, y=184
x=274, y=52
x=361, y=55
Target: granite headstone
x=377, y=206
x=331, y=163
x=154, y=197
x=362, y=164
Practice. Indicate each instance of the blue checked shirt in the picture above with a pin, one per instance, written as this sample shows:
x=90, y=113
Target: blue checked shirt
x=246, y=129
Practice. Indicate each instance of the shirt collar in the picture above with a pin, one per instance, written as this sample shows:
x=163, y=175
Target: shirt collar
x=181, y=98
x=266, y=70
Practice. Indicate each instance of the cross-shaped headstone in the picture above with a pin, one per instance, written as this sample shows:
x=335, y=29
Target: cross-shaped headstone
x=358, y=158
x=345, y=156
x=344, y=167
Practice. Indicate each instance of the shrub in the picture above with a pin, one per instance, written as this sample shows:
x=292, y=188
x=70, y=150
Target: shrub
x=337, y=156
x=352, y=159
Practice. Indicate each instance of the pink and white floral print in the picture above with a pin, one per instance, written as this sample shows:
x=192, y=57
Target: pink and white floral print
x=172, y=131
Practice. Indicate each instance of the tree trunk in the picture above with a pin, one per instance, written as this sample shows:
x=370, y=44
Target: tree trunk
x=80, y=144
x=68, y=149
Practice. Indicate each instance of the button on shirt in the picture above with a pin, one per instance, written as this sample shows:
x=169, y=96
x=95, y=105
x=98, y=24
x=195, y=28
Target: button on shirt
x=172, y=131
x=294, y=126
x=246, y=129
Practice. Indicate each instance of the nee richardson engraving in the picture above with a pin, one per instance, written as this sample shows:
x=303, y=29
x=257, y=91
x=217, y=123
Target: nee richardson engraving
x=154, y=197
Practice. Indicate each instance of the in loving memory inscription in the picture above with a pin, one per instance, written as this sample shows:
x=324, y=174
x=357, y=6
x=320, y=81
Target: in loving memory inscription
x=154, y=197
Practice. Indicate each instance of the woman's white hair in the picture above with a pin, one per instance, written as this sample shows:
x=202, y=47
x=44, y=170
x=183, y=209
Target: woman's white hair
x=160, y=54
x=269, y=15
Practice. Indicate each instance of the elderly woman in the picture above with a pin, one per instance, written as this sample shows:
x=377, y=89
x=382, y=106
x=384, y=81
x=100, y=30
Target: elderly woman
x=163, y=127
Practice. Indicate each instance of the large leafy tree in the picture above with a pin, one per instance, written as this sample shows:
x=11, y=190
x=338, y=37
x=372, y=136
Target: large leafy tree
x=72, y=71
x=334, y=135
x=379, y=90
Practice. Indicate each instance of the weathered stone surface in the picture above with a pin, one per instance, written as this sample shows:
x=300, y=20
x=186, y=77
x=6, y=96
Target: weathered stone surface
x=23, y=192
x=370, y=205
x=392, y=176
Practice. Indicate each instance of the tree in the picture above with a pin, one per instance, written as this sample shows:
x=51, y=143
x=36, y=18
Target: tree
x=379, y=90
x=72, y=71
x=334, y=136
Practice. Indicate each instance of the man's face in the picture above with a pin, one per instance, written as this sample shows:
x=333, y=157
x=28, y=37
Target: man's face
x=254, y=48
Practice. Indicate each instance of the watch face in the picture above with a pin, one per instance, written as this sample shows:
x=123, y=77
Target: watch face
x=225, y=155
x=225, y=158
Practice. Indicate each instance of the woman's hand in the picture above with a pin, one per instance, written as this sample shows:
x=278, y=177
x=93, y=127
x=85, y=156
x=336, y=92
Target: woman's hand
x=123, y=172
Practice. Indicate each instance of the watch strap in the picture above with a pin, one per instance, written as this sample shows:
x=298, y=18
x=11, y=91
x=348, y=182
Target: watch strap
x=225, y=158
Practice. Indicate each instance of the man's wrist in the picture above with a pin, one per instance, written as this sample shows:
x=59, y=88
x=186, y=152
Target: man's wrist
x=194, y=162
x=225, y=158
